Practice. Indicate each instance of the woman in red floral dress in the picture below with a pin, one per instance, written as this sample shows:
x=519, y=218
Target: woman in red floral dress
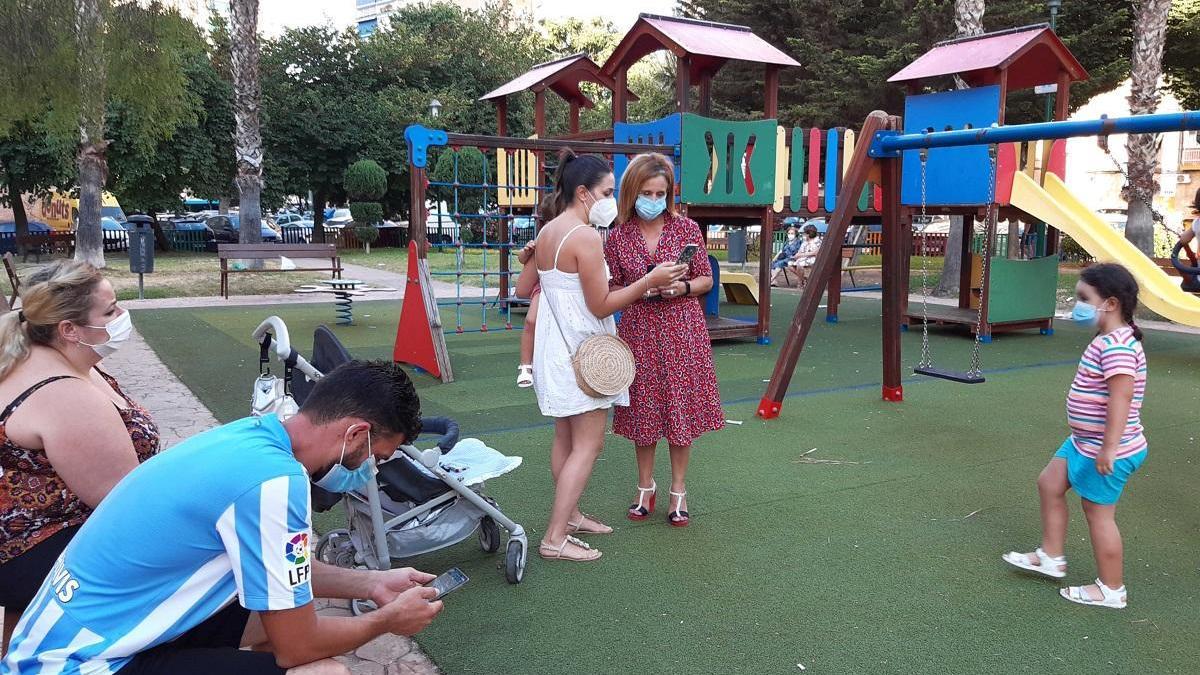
x=674, y=393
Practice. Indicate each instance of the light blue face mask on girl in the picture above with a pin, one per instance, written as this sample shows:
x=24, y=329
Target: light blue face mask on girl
x=1085, y=314
x=340, y=479
x=649, y=208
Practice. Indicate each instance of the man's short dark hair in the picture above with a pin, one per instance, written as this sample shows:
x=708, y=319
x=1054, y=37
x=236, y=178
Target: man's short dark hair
x=379, y=392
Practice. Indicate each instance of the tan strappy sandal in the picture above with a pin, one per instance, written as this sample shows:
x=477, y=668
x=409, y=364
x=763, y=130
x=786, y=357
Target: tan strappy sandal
x=578, y=528
x=549, y=552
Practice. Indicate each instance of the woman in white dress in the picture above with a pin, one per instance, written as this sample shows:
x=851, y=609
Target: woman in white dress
x=569, y=263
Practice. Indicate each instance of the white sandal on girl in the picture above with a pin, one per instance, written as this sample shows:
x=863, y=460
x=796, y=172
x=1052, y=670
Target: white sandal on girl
x=525, y=375
x=1050, y=566
x=1113, y=597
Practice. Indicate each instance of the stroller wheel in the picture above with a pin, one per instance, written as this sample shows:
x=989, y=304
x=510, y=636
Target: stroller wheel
x=489, y=535
x=514, y=561
x=336, y=548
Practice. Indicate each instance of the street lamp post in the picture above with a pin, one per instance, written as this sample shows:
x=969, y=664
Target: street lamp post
x=435, y=108
x=1053, y=6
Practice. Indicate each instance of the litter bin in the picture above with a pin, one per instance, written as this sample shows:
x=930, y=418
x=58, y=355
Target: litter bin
x=141, y=248
x=736, y=242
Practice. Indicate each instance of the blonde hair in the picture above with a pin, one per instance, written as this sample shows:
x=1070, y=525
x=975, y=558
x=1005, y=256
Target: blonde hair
x=641, y=169
x=61, y=291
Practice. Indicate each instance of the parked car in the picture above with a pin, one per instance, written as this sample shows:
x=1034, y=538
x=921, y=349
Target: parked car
x=297, y=231
x=226, y=229
x=338, y=219
x=285, y=219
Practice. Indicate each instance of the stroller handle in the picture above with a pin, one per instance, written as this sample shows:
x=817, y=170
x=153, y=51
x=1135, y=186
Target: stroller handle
x=272, y=329
x=445, y=427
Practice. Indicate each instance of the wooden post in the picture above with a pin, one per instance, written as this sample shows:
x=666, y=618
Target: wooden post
x=833, y=292
x=765, y=237
x=416, y=210
x=827, y=258
x=619, y=103
x=574, y=120
x=502, y=116
x=706, y=94
x=683, y=84
x=894, y=271
x=964, y=268
x=771, y=93
x=539, y=113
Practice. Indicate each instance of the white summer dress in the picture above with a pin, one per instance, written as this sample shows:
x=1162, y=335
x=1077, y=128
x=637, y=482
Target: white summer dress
x=553, y=376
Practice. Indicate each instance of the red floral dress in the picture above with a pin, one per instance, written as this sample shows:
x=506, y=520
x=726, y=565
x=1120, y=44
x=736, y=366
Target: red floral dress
x=674, y=392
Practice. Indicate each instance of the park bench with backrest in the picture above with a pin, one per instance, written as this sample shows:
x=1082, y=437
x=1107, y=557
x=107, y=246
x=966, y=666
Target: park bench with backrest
x=227, y=252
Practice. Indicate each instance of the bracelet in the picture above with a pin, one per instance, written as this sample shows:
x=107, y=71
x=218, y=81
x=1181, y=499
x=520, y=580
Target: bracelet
x=687, y=287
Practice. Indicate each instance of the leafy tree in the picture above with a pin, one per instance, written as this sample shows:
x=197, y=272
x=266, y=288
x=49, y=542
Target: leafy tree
x=1181, y=60
x=32, y=162
x=365, y=183
x=76, y=58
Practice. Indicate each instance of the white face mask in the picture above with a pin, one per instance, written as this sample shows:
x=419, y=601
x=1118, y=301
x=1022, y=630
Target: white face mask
x=603, y=212
x=119, y=330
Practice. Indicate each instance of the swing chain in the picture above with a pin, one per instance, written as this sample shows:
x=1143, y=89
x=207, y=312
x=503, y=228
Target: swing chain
x=990, y=223
x=1155, y=215
x=926, y=359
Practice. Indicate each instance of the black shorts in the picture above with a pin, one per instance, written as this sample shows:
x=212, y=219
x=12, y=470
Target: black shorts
x=211, y=647
x=21, y=577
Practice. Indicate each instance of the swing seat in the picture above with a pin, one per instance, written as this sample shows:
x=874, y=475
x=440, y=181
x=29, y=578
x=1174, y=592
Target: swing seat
x=959, y=376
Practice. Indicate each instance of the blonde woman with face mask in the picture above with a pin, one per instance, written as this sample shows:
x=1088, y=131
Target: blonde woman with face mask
x=68, y=433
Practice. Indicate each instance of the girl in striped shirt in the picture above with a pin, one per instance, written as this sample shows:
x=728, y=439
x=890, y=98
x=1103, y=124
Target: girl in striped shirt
x=1106, y=444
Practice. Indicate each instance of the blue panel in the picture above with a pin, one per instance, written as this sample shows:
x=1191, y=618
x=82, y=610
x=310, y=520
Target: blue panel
x=712, y=299
x=367, y=27
x=832, y=157
x=955, y=176
x=666, y=131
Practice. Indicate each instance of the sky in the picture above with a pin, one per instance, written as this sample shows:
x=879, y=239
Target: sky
x=277, y=15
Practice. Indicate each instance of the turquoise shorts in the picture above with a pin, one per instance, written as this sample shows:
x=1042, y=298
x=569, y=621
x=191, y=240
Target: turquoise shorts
x=1089, y=483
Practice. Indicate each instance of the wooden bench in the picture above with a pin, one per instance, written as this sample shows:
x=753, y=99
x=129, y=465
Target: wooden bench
x=227, y=252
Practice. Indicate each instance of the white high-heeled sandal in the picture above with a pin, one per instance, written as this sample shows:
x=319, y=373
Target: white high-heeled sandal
x=677, y=517
x=644, y=511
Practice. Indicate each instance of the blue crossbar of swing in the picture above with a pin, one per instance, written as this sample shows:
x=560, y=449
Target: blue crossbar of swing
x=890, y=143
x=489, y=186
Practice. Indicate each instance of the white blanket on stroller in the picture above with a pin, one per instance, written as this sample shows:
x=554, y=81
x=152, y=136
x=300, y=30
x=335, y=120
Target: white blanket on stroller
x=472, y=462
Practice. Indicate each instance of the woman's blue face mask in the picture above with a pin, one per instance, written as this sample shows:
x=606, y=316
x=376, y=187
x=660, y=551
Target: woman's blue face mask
x=649, y=208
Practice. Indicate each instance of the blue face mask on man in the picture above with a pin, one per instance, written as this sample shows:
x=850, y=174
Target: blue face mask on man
x=650, y=208
x=340, y=479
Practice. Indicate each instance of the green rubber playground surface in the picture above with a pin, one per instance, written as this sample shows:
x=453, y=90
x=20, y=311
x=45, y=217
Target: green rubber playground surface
x=884, y=559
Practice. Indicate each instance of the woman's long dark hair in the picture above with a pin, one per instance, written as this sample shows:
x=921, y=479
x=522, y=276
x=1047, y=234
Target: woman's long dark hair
x=1114, y=281
x=573, y=171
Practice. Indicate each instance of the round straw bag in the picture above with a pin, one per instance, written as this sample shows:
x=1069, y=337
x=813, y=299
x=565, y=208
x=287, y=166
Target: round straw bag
x=603, y=365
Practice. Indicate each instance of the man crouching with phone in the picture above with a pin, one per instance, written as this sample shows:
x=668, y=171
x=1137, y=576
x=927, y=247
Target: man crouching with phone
x=208, y=548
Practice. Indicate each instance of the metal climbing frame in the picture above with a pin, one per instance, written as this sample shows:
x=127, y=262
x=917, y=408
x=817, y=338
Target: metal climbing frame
x=494, y=215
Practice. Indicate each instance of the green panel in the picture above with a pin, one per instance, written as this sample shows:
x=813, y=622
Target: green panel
x=1022, y=289
x=864, y=200
x=730, y=139
x=799, y=170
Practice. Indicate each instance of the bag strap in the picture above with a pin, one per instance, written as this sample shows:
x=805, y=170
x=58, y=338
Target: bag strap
x=554, y=316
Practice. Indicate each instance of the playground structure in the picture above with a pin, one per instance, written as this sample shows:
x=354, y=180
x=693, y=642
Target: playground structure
x=738, y=173
x=730, y=173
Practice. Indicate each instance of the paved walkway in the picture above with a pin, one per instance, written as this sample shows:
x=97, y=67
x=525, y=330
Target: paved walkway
x=180, y=414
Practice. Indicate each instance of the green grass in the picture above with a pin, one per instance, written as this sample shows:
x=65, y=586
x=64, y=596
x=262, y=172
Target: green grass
x=887, y=565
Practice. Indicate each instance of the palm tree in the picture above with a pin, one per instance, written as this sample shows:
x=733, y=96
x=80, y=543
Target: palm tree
x=92, y=149
x=1145, y=69
x=248, y=151
x=968, y=21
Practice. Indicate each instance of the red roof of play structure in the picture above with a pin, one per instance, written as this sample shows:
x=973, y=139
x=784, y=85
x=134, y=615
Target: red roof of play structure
x=708, y=44
x=1032, y=55
x=562, y=76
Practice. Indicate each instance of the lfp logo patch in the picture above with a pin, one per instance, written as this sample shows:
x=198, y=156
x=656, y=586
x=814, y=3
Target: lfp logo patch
x=297, y=553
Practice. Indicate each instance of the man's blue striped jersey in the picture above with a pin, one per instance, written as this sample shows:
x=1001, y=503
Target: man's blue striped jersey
x=223, y=514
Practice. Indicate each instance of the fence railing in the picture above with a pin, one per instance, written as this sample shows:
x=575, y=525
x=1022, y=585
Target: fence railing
x=344, y=237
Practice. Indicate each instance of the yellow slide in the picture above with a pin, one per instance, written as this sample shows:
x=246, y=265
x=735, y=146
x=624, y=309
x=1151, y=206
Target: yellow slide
x=1060, y=209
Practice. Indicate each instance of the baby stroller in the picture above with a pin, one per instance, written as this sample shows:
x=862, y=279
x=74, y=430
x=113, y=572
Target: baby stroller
x=419, y=500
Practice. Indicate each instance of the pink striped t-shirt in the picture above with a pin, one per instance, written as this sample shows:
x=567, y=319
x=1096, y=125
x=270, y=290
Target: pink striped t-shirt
x=1117, y=353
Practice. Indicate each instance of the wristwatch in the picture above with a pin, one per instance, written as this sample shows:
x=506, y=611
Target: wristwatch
x=687, y=287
